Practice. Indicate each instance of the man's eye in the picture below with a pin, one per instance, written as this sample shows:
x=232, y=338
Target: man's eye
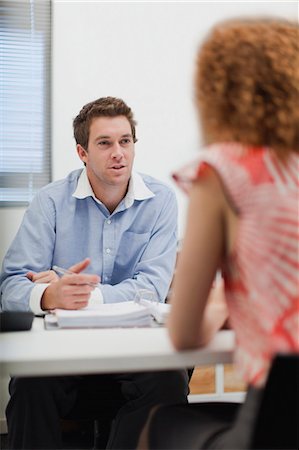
x=103, y=143
x=125, y=141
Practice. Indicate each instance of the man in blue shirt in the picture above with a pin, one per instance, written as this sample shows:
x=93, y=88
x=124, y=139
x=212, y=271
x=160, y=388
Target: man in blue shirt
x=121, y=227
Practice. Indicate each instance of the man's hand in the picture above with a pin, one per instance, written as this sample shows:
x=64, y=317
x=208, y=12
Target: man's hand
x=72, y=291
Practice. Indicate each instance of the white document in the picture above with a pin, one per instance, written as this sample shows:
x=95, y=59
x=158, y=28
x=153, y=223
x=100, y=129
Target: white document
x=159, y=311
x=109, y=315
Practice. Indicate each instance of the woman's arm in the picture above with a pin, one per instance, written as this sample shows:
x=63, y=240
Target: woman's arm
x=193, y=320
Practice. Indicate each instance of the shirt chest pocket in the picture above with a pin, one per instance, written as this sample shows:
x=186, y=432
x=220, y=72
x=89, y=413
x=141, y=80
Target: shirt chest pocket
x=131, y=248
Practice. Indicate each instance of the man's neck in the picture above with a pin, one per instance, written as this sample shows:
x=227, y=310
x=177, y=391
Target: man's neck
x=111, y=196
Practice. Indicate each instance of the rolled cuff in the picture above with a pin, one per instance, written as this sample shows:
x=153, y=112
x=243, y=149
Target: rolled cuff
x=36, y=297
x=96, y=298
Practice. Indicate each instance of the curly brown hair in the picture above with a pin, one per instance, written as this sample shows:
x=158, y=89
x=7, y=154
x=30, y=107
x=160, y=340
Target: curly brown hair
x=247, y=84
x=102, y=107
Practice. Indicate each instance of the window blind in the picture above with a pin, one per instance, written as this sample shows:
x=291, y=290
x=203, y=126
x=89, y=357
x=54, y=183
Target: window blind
x=25, y=46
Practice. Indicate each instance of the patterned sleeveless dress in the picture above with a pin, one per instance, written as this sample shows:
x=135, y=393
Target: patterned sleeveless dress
x=261, y=275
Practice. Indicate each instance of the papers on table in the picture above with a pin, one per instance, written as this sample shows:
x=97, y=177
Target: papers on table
x=159, y=311
x=109, y=315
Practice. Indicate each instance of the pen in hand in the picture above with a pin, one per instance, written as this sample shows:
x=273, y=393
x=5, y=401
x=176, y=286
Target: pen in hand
x=62, y=271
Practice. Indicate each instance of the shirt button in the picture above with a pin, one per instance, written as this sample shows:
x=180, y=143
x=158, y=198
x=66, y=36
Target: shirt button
x=108, y=221
x=108, y=250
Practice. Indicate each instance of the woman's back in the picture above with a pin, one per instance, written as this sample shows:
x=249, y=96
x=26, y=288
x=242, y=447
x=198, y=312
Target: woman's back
x=261, y=270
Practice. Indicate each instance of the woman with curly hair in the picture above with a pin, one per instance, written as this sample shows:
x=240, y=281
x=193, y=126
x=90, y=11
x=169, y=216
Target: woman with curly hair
x=242, y=220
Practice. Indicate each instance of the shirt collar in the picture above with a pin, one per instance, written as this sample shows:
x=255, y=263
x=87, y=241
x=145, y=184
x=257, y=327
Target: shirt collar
x=137, y=189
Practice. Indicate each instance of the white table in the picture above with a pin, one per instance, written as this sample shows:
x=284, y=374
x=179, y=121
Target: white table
x=44, y=352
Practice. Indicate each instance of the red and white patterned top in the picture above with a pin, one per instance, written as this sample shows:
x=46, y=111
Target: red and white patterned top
x=261, y=275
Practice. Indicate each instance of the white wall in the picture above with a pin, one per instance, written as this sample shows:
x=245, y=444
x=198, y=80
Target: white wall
x=143, y=52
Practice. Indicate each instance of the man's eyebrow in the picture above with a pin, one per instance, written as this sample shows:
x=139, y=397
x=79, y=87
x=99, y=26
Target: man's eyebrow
x=103, y=136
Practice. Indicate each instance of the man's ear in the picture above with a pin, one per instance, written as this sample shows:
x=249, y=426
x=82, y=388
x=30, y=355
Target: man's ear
x=82, y=153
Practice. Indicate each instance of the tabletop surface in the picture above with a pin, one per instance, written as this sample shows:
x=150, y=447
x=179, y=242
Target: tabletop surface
x=58, y=352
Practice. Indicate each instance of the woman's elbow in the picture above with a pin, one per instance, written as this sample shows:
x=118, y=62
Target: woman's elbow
x=181, y=342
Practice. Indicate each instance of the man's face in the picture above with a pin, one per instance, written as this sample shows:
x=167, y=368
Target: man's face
x=110, y=153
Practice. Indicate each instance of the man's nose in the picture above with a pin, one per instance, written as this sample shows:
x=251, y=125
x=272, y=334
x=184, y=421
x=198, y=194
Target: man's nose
x=117, y=151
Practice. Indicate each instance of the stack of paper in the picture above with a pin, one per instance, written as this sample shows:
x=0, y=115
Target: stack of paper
x=126, y=314
x=159, y=311
x=108, y=315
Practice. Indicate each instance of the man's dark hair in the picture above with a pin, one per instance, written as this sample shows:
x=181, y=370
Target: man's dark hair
x=102, y=107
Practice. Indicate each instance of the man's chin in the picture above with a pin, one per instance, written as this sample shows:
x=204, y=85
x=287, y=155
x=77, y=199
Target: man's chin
x=120, y=178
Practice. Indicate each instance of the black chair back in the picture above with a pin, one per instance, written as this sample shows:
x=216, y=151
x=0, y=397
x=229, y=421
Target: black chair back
x=277, y=421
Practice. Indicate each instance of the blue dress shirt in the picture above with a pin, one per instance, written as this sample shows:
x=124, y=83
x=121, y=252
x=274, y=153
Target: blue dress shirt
x=133, y=248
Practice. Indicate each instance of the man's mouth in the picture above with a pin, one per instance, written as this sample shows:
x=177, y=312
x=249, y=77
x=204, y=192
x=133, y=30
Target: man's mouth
x=117, y=166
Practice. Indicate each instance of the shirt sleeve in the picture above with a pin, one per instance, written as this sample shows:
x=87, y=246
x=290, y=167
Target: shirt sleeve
x=185, y=176
x=31, y=250
x=36, y=296
x=96, y=298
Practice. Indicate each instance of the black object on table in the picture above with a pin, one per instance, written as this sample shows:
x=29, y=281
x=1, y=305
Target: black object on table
x=16, y=320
